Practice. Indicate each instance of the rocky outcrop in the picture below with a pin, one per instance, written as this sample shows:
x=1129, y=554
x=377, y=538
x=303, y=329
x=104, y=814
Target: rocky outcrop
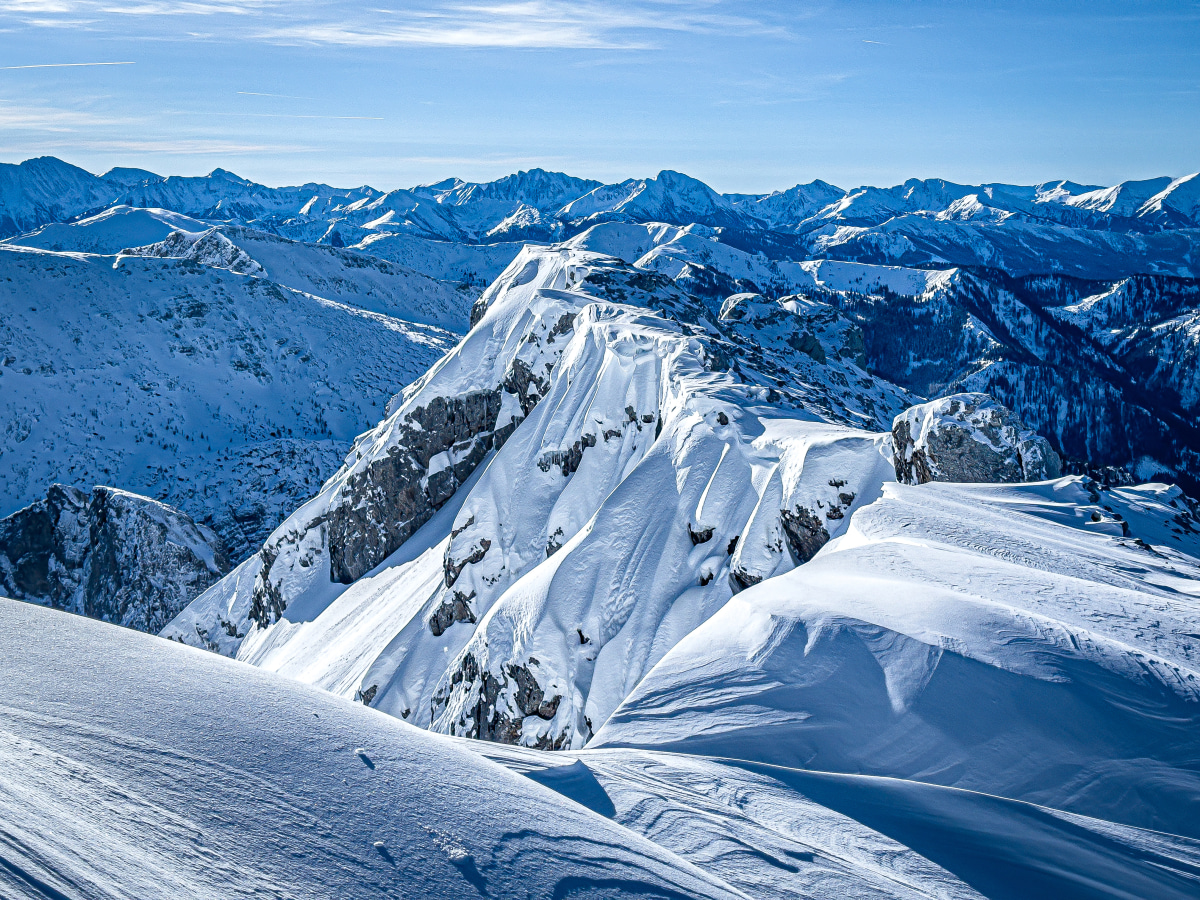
x=505, y=702
x=110, y=555
x=382, y=506
x=208, y=248
x=968, y=438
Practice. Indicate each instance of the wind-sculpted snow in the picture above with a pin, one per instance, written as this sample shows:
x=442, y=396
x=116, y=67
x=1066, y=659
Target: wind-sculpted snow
x=1035, y=642
x=227, y=396
x=132, y=768
x=773, y=831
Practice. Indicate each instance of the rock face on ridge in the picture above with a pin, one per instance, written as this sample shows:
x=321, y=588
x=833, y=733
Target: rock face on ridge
x=110, y=555
x=968, y=438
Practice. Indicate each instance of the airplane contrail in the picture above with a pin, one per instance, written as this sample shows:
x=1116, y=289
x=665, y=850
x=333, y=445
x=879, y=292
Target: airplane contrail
x=67, y=65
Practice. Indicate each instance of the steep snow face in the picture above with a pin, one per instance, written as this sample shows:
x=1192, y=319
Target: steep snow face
x=571, y=407
x=1026, y=641
x=113, y=556
x=1177, y=205
x=149, y=372
x=132, y=768
x=111, y=231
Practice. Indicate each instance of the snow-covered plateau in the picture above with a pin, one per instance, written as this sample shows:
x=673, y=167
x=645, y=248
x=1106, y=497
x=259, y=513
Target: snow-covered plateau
x=547, y=538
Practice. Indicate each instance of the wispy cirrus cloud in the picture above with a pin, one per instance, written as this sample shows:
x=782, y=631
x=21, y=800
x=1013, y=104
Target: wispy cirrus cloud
x=55, y=119
x=526, y=24
x=511, y=24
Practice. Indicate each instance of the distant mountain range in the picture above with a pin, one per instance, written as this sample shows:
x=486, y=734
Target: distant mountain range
x=1090, y=231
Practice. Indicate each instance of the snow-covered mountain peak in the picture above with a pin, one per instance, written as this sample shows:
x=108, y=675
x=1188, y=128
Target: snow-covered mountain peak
x=219, y=174
x=1181, y=196
x=208, y=248
x=127, y=177
x=536, y=188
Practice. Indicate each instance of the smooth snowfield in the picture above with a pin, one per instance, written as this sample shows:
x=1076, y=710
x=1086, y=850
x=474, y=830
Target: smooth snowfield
x=134, y=768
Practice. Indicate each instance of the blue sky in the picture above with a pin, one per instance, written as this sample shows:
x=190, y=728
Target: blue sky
x=747, y=96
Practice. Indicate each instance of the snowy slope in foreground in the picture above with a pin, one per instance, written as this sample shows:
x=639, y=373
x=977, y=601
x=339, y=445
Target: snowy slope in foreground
x=132, y=768
x=1005, y=639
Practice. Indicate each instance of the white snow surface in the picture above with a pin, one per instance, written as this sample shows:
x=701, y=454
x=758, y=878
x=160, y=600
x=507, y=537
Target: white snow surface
x=134, y=768
x=111, y=231
x=778, y=832
x=591, y=571
x=228, y=396
x=1004, y=639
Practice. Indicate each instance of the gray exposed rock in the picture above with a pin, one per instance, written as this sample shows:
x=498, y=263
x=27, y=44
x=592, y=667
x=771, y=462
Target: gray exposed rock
x=110, y=555
x=502, y=703
x=804, y=532
x=968, y=438
x=383, y=505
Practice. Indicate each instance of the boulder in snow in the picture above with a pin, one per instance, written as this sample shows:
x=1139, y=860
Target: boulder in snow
x=968, y=438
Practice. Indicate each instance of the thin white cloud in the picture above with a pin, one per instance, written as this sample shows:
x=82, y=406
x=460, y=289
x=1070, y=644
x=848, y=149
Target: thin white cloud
x=529, y=24
x=297, y=116
x=148, y=8
x=280, y=96
x=514, y=24
x=189, y=9
x=772, y=90
x=54, y=119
